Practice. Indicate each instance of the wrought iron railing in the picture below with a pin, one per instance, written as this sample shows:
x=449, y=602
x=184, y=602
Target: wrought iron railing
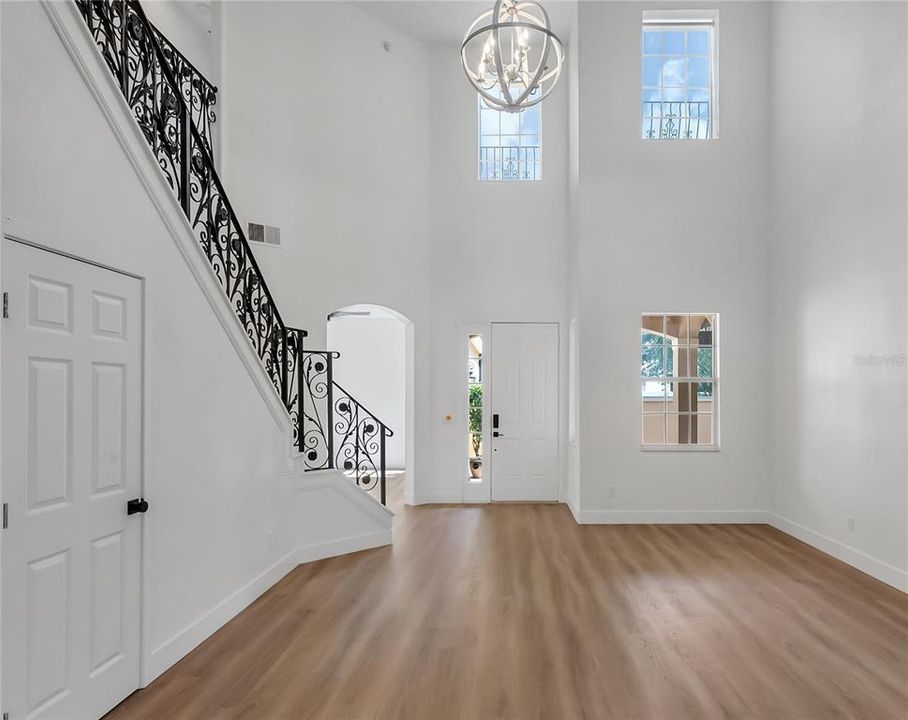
x=340, y=432
x=198, y=93
x=677, y=120
x=173, y=105
x=168, y=111
x=509, y=163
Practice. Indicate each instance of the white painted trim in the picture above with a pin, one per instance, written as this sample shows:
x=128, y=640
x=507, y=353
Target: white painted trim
x=858, y=559
x=70, y=28
x=332, y=548
x=435, y=498
x=190, y=637
x=475, y=493
x=575, y=510
x=876, y=568
x=343, y=486
x=669, y=517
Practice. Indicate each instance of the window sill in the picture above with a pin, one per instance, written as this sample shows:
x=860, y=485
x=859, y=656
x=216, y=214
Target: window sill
x=681, y=448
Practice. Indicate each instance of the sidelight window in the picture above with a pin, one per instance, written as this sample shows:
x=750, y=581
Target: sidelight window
x=474, y=407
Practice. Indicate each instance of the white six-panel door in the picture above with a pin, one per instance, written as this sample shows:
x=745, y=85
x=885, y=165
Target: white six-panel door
x=525, y=399
x=71, y=459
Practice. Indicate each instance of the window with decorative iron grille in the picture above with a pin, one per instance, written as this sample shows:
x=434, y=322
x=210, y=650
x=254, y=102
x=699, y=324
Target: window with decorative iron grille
x=510, y=144
x=679, y=69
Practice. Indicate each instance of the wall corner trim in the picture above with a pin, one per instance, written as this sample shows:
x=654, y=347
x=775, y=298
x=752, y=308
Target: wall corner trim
x=575, y=510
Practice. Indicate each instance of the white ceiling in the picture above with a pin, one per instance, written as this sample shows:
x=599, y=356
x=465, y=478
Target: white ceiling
x=441, y=22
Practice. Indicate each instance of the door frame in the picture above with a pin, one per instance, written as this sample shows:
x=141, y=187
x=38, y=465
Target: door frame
x=144, y=441
x=481, y=492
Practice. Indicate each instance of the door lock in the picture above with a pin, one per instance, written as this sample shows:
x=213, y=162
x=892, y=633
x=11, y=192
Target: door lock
x=139, y=505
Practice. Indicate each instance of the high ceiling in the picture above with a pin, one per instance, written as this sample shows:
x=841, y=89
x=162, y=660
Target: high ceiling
x=444, y=21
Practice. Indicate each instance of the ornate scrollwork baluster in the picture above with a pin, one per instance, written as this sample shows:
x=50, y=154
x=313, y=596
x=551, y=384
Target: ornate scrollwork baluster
x=198, y=93
x=317, y=447
x=360, y=442
x=294, y=357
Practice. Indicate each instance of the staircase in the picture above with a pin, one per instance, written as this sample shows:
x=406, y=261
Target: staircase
x=173, y=105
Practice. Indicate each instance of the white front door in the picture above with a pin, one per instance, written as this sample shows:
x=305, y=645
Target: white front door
x=71, y=459
x=525, y=402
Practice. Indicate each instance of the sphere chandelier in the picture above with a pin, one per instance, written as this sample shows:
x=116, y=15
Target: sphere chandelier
x=511, y=55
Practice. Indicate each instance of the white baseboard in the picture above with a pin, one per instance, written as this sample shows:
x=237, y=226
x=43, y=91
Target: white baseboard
x=573, y=507
x=434, y=498
x=190, y=637
x=332, y=548
x=667, y=517
x=858, y=559
x=177, y=647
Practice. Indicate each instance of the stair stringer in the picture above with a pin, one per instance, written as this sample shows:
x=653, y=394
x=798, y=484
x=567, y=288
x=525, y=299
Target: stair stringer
x=359, y=521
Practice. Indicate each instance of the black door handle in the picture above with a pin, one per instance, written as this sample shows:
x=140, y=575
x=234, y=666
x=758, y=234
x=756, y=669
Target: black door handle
x=497, y=434
x=139, y=505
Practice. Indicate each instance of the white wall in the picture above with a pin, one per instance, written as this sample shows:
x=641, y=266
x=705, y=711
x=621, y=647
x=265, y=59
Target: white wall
x=671, y=226
x=374, y=186
x=372, y=366
x=217, y=473
x=327, y=137
x=344, y=170
x=839, y=278
x=190, y=26
x=499, y=253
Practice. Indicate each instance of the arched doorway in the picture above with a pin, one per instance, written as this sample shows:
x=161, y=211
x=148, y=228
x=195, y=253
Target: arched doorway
x=376, y=365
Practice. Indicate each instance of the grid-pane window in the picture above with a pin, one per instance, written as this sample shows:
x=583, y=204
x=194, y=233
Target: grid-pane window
x=678, y=72
x=510, y=144
x=679, y=380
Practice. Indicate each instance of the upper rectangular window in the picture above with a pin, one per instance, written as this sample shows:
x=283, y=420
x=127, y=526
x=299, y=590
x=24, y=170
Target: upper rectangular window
x=679, y=381
x=510, y=144
x=679, y=52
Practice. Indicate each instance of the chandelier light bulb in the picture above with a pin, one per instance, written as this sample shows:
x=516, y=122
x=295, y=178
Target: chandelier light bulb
x=516, y=55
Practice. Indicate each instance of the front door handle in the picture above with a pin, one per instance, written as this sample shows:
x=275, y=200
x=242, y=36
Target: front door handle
x=497, y=434
x=139, y=505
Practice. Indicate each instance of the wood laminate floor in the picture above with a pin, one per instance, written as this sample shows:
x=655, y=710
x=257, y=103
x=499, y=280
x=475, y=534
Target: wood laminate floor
x=514, y=611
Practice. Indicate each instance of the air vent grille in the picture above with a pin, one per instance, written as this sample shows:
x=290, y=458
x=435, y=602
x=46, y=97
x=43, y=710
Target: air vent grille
x=265, y=234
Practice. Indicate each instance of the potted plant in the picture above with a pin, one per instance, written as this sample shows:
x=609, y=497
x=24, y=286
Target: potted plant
x=476, y=430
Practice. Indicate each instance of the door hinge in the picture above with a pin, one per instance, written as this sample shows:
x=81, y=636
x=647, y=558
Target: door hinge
x=5, y=517
x=5, y=313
